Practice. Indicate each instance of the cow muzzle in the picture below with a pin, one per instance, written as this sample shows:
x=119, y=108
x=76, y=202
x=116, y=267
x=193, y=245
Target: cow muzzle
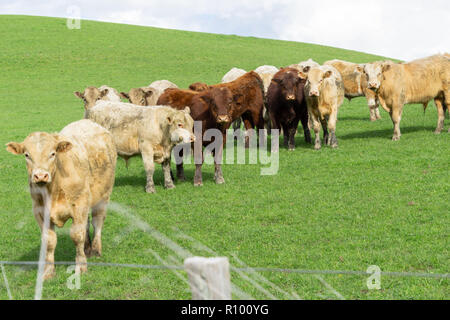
x=314, y=93
x=223, y=119
x=373, y=85
x=40, y=177
x=290, y=97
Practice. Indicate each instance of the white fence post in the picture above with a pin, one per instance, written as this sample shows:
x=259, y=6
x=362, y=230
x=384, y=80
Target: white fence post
x=209, y=278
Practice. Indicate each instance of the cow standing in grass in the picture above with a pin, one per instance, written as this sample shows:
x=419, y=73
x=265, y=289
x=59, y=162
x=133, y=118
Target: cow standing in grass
x=355, y=84
x=213, y=108
x=148, y=131
x=324, y=95
x=287, y=105
x=70, y=173
x=417, y=81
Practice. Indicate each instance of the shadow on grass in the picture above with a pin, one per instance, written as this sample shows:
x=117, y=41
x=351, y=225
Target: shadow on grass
x=385, y=133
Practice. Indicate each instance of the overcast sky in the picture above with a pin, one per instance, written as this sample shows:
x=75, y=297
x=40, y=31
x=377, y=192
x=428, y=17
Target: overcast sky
x=403, y=29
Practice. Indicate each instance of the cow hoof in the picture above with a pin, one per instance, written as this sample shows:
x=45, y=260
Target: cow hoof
x=220, y=180
x=291, y=149
x=150, y=189
x=317, y=147
x=170, y=186
x=334, y=145
x=49, y=273
x=198, y=184
x=96, y=253
x=437, y=131
x=182, y=178
x=378, y=117
x=79, y=269
x=395, y=138
x=373, y=119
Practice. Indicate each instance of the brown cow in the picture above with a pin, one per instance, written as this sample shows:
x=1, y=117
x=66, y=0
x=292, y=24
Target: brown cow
x=417, y=81
x=287, y=106
x=212, y=108
x=70, y=173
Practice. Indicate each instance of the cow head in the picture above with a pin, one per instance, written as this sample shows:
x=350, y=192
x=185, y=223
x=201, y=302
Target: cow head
x=316, y=78
x=41, y=151
x=139, y=96
x=288, y=84
x=199, y=86
x=91, y=95
x=181, y=126
x=374, y=73
x=220, y=102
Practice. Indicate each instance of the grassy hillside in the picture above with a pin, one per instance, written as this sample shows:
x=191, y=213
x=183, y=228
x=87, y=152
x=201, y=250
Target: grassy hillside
x=369, y=202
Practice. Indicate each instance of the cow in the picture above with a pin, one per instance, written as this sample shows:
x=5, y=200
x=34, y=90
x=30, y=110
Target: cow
x=417, y=81
x=287, y=106
x=198, y=86
x=355, y=84
x=91, y=95
x=148, y=131
x=70, y=173
x=324, y=92
x=232, y=75
x=148, y=96
x=213, y=108
x=266, y=73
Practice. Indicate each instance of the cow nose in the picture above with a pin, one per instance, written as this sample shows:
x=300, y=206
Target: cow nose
x=192, y=138
x=223, y=119
x=313, y=94
x=290, y=97
x=41, y=177
x=372, y=85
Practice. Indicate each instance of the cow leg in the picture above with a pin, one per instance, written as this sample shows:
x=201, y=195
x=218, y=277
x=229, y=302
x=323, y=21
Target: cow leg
x=248, y=124
x=326, y=136
x=316, y=126
x=168, y=182
x=49, y=269
x=396, y=116
x=98, y=218
x=292, y=130
x=149, y=165
x=198, y=179
x=304, y=120
x=87, y=242
x=78, y=236
x=285, y=135
x=441, y=115
x=332, y=140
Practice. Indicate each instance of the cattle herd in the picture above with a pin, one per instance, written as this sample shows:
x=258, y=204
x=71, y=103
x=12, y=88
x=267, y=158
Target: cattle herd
x=72, y=172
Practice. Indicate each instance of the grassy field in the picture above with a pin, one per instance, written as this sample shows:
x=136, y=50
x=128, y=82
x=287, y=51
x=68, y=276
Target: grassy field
x=372, y=201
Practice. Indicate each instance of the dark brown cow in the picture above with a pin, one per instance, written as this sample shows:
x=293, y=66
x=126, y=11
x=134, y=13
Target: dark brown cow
x=212, y=108
x=199, y=86
x=287, y=106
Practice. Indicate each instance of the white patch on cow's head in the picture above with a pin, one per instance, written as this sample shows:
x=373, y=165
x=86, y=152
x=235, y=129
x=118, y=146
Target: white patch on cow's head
x=181, y=135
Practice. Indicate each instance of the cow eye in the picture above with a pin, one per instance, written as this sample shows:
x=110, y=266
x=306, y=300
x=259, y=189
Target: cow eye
x=52, y=154
x=27, y=156
x=180, y=125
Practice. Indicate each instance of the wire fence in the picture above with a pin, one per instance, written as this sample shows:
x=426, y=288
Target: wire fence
x=247, y=269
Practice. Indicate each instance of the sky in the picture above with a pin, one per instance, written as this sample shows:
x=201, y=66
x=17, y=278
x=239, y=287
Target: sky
x=401, y=29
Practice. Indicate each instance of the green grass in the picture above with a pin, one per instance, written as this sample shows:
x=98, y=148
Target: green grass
x=371, y=201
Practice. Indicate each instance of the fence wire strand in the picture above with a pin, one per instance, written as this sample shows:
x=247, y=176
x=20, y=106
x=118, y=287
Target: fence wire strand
x=248, y=269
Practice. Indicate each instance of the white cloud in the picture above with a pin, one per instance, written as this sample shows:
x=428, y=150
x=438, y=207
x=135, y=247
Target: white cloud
x=404, y=29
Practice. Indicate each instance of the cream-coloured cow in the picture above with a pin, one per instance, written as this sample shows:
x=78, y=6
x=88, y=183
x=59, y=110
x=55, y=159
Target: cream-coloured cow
x=69, y=174
x=417, y=81
x=148, y=131
x=147, y=96
x=324, y=93
x=91, y=95
x=355, y=84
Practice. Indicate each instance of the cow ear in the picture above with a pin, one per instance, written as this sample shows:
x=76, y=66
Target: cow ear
x=169, y=119
x=327, y=74
x=302, y=75
x=125, y=95
x=78, y=94
x=276, y=80
x=148, y=92
x=14, y=147
x=206, y=98
x=187, y=110
x=359, y=68
x=104, y=92
x=63, y=146
x=386, y=66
